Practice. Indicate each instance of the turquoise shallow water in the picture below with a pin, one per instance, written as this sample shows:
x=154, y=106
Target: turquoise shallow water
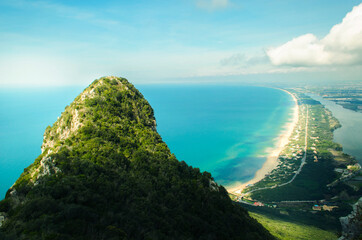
x=24, y=115
x=221, y=129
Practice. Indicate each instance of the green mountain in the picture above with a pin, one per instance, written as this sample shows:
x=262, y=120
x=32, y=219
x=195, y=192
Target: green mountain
x=105, y=173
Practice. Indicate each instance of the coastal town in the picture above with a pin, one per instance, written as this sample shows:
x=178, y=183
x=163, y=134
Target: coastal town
x=313, y=175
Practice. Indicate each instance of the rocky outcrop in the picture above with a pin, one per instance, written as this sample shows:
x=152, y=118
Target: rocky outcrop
x=352, y=224
x=105, y=173
x=2, y=218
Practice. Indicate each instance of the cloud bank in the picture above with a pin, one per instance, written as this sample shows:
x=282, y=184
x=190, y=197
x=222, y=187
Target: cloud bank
x=341, y=46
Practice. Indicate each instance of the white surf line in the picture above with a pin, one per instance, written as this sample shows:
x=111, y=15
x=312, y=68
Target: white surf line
x=272, y=161
x=301, y=164
x=305, y=154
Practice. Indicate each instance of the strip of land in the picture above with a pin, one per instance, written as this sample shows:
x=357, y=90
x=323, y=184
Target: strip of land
x=303, y=161
x=314, y=182
x=272, y=159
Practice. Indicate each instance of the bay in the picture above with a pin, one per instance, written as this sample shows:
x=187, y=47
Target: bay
x=225, y=130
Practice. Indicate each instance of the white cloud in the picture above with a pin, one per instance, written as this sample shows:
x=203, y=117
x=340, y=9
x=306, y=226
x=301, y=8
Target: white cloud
x=242, y=59
x=212, y=4
x=231, y=64
x=341, y=46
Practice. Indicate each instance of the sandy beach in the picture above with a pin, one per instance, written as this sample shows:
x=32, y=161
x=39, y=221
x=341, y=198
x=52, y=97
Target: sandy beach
x=272, y=158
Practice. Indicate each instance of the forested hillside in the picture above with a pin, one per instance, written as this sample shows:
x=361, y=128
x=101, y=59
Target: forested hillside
x=105, y=173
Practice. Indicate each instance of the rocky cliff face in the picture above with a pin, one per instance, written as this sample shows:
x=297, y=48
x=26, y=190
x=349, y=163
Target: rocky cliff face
x=105, y=173
x=352, y=224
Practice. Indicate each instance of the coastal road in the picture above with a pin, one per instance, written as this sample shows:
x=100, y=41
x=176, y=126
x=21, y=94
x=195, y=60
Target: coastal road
x=305, y=153
x=301, y=164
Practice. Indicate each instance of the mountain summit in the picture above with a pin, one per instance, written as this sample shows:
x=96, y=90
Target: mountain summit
x=105, y=173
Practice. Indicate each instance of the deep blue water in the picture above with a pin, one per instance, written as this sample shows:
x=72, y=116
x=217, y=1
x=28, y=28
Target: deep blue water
x=221, y=129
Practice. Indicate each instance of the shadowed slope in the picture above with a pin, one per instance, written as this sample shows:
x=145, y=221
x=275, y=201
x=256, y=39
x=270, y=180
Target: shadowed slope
x=105, y=173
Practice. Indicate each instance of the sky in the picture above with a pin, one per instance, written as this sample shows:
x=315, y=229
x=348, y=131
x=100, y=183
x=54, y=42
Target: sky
x=65, y=43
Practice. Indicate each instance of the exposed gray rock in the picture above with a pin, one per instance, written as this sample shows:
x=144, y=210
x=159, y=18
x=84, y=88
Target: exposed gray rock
x=2, y=218
x=352, y=223
x=47, y=167
x=213, y=185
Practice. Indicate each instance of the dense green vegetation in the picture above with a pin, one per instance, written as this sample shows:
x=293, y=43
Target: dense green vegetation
x=310, y=184
x=288, y=230
x=326, y=179
x=318, y=172
x=287, y=213
x=105, y=173
x=347, y=96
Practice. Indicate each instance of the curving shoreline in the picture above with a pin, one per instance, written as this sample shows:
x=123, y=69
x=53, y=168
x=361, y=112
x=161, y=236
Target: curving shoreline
x=272, y=159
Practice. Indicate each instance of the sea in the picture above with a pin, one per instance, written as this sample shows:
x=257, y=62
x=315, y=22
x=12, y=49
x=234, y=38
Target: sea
x=225, y=130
